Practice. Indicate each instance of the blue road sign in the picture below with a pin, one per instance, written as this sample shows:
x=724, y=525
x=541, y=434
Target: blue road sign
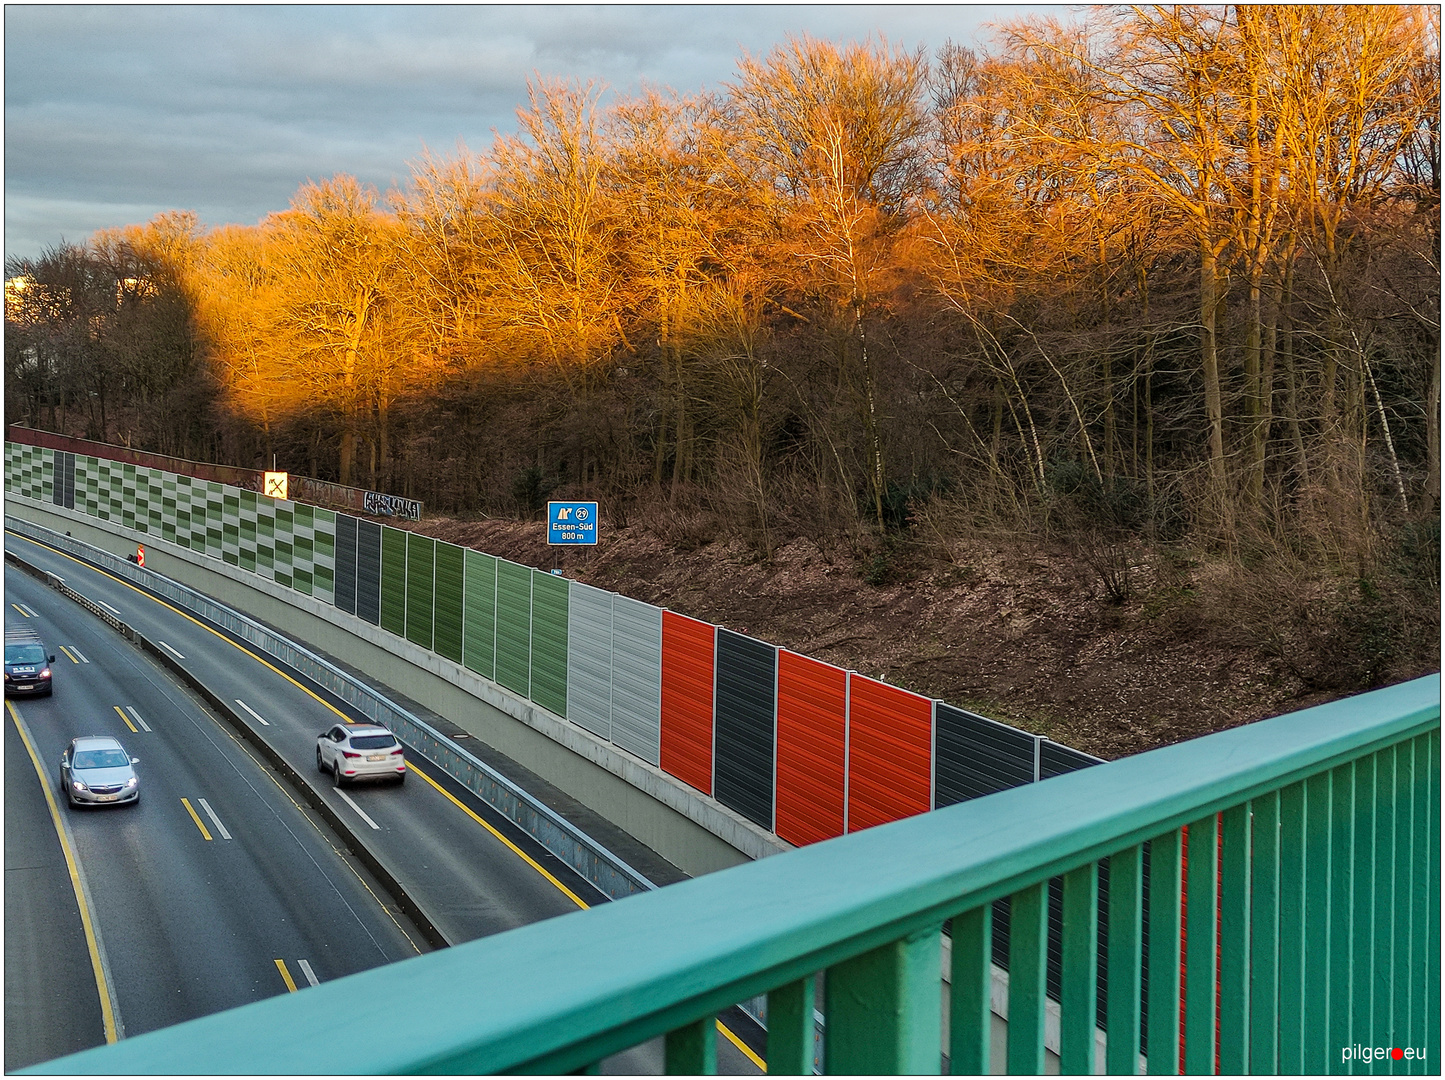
x=571, y=523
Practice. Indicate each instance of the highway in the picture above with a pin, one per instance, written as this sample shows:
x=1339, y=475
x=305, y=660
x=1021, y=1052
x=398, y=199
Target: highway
x=192, y=925
x=196, y=912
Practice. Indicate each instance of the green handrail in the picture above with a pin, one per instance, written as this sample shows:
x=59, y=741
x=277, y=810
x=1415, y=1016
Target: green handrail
x=867, y=909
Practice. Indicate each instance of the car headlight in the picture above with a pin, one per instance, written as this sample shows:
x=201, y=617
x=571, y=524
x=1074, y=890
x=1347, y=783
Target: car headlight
x=78, y=785
x=133, y=781
x=45, y=674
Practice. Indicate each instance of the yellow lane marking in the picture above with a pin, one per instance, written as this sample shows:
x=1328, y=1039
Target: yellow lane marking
x=265, y=771
x=92, y=943
x=189, y=618
x=569, y=893
x=460, y=805
x=68, y=653
x=286, y=975
x=20, y=609
x=133, y=728
x=197, y=819
x=515, y=849
x=744, y=1047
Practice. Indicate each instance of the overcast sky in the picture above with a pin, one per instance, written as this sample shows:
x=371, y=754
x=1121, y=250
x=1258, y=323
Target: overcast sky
x=114, y=113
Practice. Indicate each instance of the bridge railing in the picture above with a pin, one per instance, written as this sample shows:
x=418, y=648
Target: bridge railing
x=1311, y=935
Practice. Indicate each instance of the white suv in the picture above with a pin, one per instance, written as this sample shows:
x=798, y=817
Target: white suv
x=360, y=751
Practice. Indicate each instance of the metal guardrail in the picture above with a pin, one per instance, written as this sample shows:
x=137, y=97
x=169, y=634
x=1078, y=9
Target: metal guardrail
x=1318, y=935
x=608, y=871
x=56, y=582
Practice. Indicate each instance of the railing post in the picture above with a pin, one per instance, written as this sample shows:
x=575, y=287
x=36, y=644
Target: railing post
x=1027, y=970
x=1422, y=960
x=1317, y=989
x=1234, y=941
x=1264, y=936
x=1126, y=940
x=1404, y=1019
x=790, y=1029
x=970, y=1017
x=1342, y=868
x=1200, y=968
x=1362, y=937
x=1079, y=971
x=1164, y=954
x=884, y=1009
x=1381, y=951
x=1432, y=941
x=1291, y=927
x=691, y=1050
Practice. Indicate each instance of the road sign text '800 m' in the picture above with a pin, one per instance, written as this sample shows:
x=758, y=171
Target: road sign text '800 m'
x=571, y=523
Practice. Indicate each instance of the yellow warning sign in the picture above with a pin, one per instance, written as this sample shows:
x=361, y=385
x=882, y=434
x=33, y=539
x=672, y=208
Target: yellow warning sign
x=276, y=485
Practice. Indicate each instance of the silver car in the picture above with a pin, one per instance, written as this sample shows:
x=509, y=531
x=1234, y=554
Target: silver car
x=95, y=770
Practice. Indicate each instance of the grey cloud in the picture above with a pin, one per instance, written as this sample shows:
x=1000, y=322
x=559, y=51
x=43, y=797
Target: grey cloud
x=115, y=113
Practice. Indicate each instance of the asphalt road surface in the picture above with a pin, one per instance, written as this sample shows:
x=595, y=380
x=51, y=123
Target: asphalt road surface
x=191, y=925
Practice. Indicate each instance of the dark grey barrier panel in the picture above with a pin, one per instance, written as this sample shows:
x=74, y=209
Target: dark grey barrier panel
x=62, y=487
x=368, y=571
x=1055, y=760
x=744, y=731
x=976, y=756
x=345, y=582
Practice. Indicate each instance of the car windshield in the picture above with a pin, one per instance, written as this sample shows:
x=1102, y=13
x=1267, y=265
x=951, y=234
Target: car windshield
x=372, y=742
x=24, y=654
x=99, y=759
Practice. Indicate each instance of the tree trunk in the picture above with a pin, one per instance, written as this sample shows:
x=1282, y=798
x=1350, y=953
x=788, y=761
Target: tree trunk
x=1431, y=500
x=347, y=453
x=1210, y=299
x=870, y=395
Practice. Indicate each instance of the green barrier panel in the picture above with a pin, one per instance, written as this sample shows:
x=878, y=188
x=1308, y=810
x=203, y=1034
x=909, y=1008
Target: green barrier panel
x=479, y=614
x=449, y=596
x=549, y=641
x=420, y=564
x=393, y=580
x=323, y=555
x=514, y=626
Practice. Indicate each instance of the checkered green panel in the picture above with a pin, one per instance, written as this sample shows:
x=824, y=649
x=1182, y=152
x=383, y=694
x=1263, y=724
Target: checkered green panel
x=291, y=543
x=28, y=470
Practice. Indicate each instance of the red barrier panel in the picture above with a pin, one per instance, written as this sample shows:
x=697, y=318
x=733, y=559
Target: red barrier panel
x=890, y=751
x=812, y=720
x=687, y=699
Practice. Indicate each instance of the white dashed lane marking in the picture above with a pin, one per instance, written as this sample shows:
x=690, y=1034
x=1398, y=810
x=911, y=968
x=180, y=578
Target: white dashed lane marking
x=253, y=712
x=214, y=819
x=364, y=816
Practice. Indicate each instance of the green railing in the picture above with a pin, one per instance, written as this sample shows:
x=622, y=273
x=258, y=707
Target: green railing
x=1316, y=937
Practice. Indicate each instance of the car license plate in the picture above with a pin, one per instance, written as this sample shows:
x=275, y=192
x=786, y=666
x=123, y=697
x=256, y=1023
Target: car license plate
x=107, y=798
x=25, y=686
x=375, y=757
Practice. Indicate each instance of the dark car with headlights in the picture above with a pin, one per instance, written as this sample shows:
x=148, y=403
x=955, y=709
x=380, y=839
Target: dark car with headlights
x=27, y=664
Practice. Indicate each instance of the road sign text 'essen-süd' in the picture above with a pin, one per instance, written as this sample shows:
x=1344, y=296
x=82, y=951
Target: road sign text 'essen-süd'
x=571, y=523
